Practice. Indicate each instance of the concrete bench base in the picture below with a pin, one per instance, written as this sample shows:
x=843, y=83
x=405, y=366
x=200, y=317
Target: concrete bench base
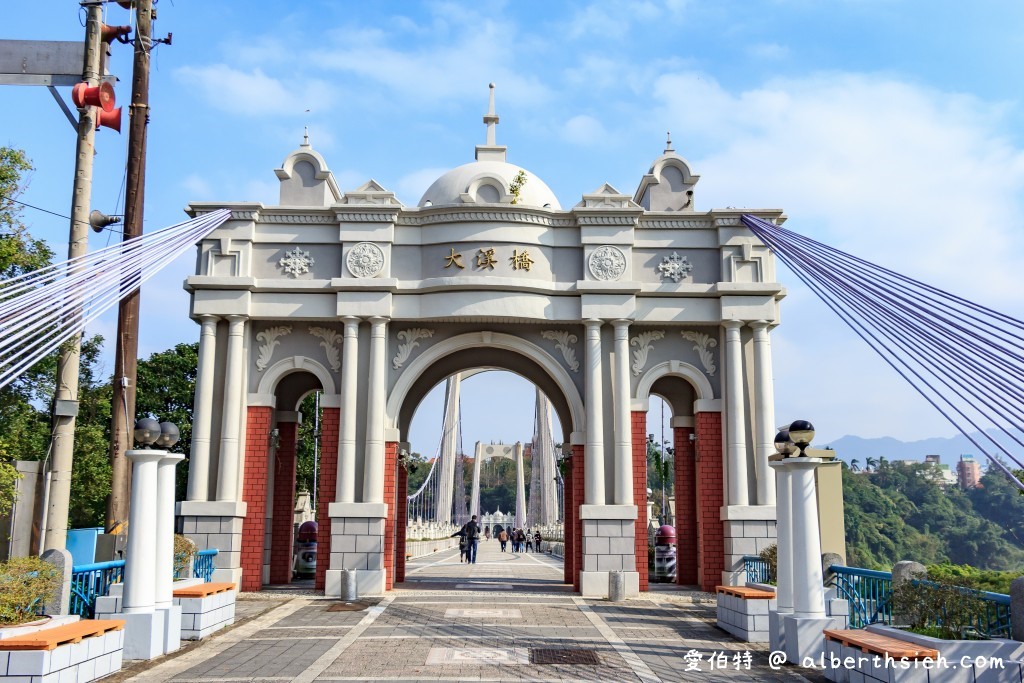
x=90, y=659
x=745, y=617
x=201, y=617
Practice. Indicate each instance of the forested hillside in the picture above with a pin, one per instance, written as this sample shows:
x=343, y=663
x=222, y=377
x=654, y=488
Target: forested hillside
x=899, y=511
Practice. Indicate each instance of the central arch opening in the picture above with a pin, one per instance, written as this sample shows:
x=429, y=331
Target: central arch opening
x=486, y=441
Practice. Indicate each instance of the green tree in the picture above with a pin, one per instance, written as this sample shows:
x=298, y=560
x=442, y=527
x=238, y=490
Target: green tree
x=19, y=251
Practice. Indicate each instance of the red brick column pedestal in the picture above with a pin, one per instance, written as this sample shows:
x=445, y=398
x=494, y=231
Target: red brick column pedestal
x=710, y=498
x=686, y=507
x=390, y=525
x=326, y=491
x=281, y=542
x=639, y=428
x=254, y=494
x=402, y=519
x=568, y=534
x=578, y=485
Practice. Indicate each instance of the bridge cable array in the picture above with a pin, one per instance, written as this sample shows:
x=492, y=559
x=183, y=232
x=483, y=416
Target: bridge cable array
x=44, y=308
x=965, y=359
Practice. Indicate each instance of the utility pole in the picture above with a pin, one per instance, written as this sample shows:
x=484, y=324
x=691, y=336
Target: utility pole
x=66, y=396
x=126, y=359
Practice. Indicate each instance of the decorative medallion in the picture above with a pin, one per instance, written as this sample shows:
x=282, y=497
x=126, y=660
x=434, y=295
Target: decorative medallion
x=269, y=338
x=411, y=337
x=296, y=262
x=607, y=263
x=563, y=339
x=642, y=342
x=674, y=267
x=702, y=344
x=365, y=259
x=328, y=339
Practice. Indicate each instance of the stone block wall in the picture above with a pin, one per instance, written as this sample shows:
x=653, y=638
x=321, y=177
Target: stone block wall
x=710, y=498
x=745, y=537
x=329, y=432
x=686, y=506
x=608, y=545
x=356, y=543
x=640, y=540
x=747, y=619
x=222, y=533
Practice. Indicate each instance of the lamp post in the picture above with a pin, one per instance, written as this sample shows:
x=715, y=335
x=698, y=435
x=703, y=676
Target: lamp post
x=149, y=563
x=801, y=593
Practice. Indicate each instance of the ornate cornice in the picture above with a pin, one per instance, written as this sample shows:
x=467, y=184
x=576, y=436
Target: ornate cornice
x=303, y=218
x=676, y=223
x=601, y=219
x=461, y=216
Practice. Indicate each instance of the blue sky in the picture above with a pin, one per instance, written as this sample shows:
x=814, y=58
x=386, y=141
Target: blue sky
x=890, y=129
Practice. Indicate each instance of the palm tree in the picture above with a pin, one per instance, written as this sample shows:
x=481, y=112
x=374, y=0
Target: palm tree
x=870, y=464
x=855, y=465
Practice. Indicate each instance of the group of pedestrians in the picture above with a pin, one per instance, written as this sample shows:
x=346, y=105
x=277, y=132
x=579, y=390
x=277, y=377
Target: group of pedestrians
x=522, y=541
x=469, y=539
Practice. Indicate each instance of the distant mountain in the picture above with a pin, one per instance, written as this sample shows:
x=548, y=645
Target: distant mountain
x=854, y=447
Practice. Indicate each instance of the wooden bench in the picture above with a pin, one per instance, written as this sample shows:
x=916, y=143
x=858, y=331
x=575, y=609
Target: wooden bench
x=51, y=638
x=874, y=643
x=746, y=593
x=203, y=590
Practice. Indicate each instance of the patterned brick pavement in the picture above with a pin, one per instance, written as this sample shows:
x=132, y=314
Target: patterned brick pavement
x=512, y=620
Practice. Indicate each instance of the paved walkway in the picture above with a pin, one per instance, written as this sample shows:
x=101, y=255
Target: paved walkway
x=506, y=618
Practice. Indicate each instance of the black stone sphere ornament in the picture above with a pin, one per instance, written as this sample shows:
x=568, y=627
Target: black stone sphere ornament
x=802, y=433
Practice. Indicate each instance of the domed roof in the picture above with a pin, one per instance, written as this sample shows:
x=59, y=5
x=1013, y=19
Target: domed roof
x=489, y=182
x=490, y=179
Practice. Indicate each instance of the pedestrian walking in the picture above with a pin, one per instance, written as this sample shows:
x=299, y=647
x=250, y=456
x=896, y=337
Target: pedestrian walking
x=461, y=533
x=503, y=539
x=487, y=533
x=472, y=530
x=529, y=541
x=536, y=540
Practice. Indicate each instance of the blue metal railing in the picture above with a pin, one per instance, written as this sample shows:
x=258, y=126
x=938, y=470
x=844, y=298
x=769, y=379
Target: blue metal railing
x=90, y=581
x=202, y=564
x=869, y=594
x=757, y=569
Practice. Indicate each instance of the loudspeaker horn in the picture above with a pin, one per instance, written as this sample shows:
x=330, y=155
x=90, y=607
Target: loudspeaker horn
x=109, y=119
x=99, y=220
x=85, y=95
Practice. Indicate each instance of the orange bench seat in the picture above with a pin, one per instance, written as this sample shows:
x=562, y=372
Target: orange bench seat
x=875, y=643
x=50, y=638
x=746, y=593
x=203, y=590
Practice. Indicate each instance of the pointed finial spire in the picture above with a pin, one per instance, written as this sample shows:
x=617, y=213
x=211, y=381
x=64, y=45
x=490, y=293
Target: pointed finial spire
x=305, y=136
x=668, y=143
x=491, y=119
x=490, y=151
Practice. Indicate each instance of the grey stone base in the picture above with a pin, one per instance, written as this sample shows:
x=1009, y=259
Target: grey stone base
x=223, y=532
x=357, y=543
x=609, y=545
x=804, y=637
x=368, y=583
x=595, y=584
x=744, y=537
x=748, y=619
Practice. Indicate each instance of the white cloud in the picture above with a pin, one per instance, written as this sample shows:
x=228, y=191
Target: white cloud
x=584, y=130
x=253, y=92
x=198, y=188
x=612, y=19
x=411, y=186
x=909, y=177
x=768, y=51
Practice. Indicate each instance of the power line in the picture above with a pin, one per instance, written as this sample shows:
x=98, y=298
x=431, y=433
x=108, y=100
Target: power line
x=52, y=213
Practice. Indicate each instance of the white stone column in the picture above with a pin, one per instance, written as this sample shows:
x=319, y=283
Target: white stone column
x=140, y=567
x=199, y=470
x=809, y=600
x=764, y=408
x=373, y=468
x=784, y=540
x=593, y=454
x=165, y=528
x=346, y=476
x=623, y=494
x=474, y=498
x=234, y=399
x=520, y=519
x=736, y=423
